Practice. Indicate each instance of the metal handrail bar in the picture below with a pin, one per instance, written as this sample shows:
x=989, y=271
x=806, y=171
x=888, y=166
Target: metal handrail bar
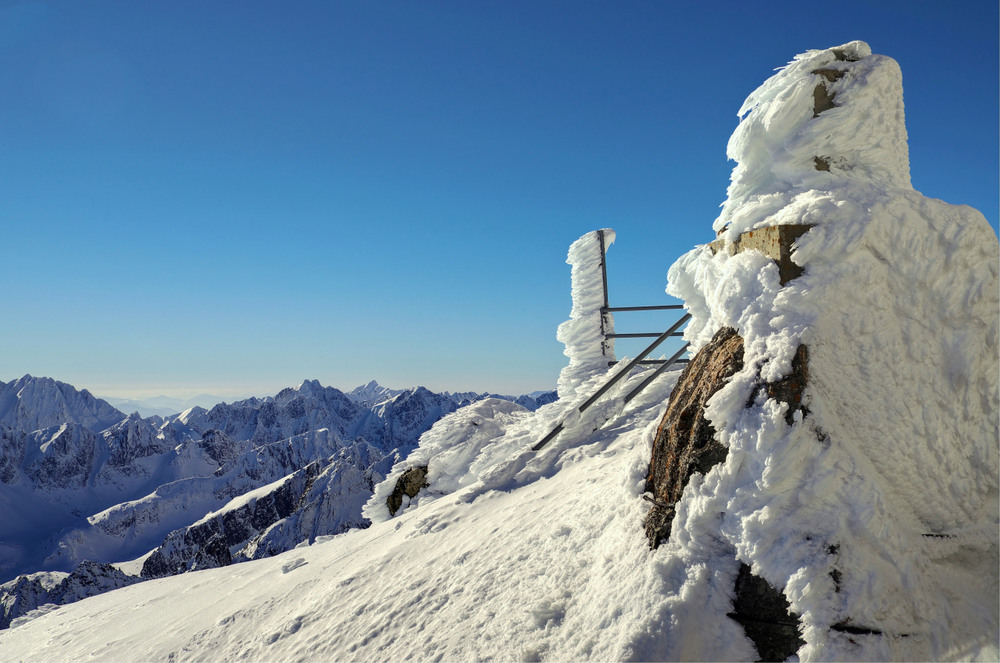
x=654, y=362
x=665, y=307
x=640, y=335
x=618, y=376
x=604, y=283
x=655, y=374
x=635, y=362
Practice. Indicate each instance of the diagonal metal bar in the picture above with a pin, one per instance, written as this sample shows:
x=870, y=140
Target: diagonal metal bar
x=617, y=377
x=635, y=362
x=655, y=374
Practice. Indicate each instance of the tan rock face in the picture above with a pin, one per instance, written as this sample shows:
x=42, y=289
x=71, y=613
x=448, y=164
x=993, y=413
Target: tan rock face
x=685, y=441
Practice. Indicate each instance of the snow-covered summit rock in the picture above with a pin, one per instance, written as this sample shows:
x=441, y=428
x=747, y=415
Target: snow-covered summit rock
x=870, y=499
x=829, y=119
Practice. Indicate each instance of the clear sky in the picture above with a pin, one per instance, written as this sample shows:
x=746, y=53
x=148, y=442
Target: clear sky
x=235, y=196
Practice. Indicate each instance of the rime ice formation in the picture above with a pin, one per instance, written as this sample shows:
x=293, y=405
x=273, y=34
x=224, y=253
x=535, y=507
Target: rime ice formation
x=876, y=507
x=583, y=334
x=870, y=505
x=784, y=147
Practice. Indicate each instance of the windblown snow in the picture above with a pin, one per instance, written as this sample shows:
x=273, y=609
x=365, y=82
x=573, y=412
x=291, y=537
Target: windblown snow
x=875, y=514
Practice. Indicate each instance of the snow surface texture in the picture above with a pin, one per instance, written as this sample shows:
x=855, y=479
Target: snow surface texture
x=588, y=349
x=542, y=556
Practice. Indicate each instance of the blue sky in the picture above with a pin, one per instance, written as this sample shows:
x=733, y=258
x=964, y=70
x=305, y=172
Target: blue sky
x=235, y=196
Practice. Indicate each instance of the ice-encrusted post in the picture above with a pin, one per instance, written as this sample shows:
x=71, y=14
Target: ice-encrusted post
x=586, y=332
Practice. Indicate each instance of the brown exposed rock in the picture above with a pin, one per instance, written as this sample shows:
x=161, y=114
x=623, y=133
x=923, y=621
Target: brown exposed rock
x=791, y=388
x=409, y=484
x=822, y=97
x=685, y=441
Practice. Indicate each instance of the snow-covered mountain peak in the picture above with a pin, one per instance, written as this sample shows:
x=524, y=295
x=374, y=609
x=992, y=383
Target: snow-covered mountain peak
x=308, y=389
x=190, y=413
x=372, y=393
x=33, y=403
x=309, y=386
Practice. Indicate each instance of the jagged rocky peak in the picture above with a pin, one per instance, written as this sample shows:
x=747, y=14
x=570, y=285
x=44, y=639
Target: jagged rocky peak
x=306, y=388
x=26, y=593
x=372, y=393
x=132, y=438
x=31, y=403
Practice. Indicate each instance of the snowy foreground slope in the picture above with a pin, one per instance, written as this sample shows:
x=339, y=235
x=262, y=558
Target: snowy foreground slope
x=870, y=504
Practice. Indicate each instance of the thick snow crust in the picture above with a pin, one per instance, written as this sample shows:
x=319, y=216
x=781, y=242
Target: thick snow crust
x=588, y=349
x=863, y=138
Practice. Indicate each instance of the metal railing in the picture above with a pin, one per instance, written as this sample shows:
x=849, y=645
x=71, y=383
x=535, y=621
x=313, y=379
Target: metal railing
x=640, y=359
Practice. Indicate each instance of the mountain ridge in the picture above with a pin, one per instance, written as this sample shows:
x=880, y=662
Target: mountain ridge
x=84, y=491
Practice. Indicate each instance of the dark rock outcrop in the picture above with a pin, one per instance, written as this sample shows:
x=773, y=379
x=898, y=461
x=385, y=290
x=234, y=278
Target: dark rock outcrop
x=766, y=617
x=410, y=483
x=791, y=388
x=685, y=441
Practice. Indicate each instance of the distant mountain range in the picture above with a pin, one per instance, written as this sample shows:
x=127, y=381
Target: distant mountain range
x=164, y=406
x=371, y=393
x=95, y=499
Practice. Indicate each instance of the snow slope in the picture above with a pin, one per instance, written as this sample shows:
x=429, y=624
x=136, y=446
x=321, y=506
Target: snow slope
x=557, y=568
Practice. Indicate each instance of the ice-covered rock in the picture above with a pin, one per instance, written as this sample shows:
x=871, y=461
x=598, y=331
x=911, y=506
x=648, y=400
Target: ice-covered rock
x=452, y=452
x=870, y=501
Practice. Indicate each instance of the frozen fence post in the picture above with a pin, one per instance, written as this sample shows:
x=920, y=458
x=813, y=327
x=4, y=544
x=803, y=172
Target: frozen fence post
x=585, y=334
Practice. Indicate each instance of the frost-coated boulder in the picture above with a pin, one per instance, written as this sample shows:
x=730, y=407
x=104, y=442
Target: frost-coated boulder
x=874, y=506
